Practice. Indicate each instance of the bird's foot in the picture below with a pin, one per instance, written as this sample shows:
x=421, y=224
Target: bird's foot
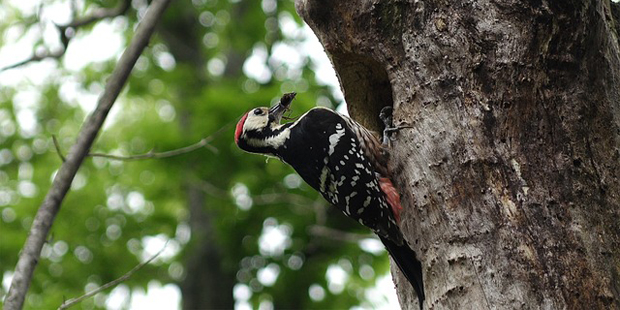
x=386, y=117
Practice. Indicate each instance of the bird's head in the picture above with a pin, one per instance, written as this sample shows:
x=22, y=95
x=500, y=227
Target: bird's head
x=258, y=128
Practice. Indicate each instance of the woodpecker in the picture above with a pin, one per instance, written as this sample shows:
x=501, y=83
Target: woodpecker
x=342, y=160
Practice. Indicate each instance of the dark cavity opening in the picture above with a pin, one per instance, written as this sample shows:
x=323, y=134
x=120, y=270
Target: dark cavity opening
x=366, y=88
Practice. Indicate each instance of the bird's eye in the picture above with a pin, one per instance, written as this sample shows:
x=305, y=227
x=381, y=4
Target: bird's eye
x=258, y=111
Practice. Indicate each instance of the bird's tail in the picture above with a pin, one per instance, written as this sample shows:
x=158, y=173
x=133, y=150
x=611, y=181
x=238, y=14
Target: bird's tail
x=408, y=263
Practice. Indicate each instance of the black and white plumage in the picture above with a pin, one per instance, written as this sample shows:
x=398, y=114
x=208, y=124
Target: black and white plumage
x=342, y=160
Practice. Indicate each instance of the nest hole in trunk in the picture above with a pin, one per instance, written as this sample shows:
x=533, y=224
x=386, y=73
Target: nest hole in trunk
x=366, y=87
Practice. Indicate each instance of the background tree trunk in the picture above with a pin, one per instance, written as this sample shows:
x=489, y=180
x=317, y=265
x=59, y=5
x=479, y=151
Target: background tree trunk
x=207, y=283
x=510, y=174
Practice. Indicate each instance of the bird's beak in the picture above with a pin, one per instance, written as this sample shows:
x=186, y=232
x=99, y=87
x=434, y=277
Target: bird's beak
x=276, y=112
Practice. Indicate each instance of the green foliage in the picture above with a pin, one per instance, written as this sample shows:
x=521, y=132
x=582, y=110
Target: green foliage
x=114, y=207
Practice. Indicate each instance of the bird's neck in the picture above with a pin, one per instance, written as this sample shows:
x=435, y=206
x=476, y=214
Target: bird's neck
x=268, y=140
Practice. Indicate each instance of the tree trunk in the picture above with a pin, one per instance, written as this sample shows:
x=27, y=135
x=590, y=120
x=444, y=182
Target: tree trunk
x=510, y=171
x=207, y=283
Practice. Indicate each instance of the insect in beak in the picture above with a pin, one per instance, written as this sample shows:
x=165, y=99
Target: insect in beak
x=277, y=111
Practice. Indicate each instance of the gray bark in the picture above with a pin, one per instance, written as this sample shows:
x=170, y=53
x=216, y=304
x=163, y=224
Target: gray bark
x=510, y=174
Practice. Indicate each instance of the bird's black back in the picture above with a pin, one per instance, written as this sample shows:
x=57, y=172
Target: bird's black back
x=322, y=146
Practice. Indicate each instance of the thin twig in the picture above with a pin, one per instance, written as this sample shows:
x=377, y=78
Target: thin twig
x=50, y=206
x=58, y=151
x=35, y=57
x=97, y=15
x=151, y=154
x=204, y=142
x=68, y=303
x=200, y=144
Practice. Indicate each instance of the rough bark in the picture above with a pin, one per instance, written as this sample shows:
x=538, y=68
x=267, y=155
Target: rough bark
x=510, y=174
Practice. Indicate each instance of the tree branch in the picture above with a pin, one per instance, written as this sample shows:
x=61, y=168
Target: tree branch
x=62, y=181
x=97, y=15
x=58, y=151
x=200, y=144
x=73, y=301
x=204, y=142
x=36, y=57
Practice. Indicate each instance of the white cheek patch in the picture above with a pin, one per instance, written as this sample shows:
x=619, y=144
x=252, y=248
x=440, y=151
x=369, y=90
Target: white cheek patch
x=273, y=141
x=254, y=122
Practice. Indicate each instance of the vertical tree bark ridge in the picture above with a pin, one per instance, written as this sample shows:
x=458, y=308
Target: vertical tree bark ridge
x=510, y=176
x=615, y=18
x=51, y=204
